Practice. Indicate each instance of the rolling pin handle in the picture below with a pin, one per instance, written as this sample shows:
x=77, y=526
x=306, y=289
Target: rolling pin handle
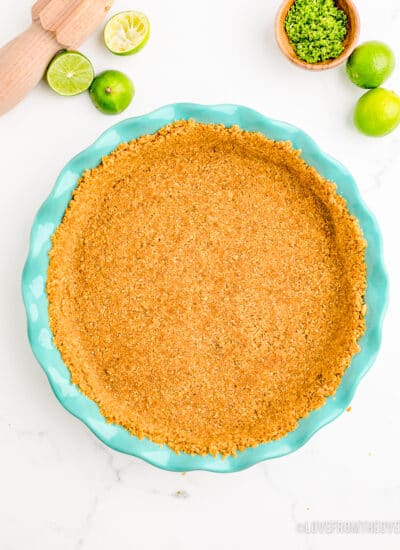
x=23, y=62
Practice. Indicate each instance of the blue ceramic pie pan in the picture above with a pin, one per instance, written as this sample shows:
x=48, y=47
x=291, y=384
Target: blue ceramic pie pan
x=36, y=304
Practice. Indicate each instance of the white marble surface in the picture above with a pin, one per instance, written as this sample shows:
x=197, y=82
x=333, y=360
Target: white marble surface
x=62, y=489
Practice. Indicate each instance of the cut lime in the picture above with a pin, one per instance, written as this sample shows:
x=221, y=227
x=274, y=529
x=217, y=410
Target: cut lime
x=126, y=32
x=69, y=73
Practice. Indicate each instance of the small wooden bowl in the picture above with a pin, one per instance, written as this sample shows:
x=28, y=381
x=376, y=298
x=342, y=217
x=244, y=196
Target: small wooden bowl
x=350, y=41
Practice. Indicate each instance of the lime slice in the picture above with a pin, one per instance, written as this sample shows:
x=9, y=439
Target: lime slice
x=69, y=73
x=126, y=32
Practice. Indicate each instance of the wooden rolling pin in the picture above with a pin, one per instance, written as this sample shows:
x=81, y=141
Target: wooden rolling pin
x=56, y=25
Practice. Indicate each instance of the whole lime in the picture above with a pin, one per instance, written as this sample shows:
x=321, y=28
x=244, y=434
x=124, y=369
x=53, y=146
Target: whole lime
x=377, y=112
x=370, y=64
x=111, y=92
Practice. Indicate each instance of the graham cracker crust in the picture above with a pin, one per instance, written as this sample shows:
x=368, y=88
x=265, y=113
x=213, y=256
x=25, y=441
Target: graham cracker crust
x=206, y=288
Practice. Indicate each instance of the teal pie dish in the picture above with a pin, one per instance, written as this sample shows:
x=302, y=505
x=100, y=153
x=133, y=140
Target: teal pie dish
x=36, y=304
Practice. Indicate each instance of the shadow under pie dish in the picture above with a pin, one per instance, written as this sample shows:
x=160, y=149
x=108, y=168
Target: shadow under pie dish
x=206, y=287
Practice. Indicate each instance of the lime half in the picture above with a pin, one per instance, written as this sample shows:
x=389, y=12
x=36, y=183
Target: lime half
x=69, y=73
x=126, y=32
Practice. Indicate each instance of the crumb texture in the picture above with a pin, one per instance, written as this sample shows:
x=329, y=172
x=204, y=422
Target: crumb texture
x=206, y=288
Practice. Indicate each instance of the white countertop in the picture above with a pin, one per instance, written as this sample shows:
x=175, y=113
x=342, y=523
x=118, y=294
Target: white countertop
x=62, y=489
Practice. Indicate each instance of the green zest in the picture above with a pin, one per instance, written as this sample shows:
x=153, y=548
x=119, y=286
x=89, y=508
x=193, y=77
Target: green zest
x=316, y=29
